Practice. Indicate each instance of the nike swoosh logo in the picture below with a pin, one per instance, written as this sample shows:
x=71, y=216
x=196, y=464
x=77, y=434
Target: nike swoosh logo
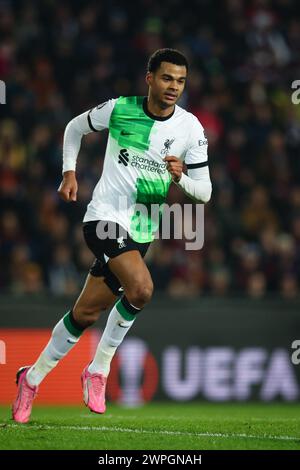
x=122, y=326
x=71, y=341
x=127, y=133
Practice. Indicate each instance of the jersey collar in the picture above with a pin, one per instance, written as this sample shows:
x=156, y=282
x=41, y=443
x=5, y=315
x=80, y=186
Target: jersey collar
x=152, y=116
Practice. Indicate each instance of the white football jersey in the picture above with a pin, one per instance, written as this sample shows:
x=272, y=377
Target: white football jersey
x=134, y=176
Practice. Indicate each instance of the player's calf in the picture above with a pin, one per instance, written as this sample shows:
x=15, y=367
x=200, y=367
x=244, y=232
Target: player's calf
x=86, y=316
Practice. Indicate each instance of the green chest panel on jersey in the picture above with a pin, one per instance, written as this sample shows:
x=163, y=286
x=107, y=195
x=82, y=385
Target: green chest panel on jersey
x=129, y=125
x=150, y=196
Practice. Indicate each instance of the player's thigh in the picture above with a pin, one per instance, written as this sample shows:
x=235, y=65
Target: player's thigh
x=94, y=297
x=132, y=272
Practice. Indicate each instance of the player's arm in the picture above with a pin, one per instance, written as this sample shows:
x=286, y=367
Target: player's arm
x=196, y=184
x=93, y=120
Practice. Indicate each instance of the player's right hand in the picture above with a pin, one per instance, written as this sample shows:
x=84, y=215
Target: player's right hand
x=68, y=187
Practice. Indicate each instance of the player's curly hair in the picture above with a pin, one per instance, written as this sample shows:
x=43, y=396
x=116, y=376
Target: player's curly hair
x=166, y=55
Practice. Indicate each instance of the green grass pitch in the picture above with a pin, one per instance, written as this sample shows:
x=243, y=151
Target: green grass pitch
x=157, y=426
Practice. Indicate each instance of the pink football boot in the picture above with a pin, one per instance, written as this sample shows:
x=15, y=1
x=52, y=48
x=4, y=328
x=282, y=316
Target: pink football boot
x=94, y=386
x=22, y=405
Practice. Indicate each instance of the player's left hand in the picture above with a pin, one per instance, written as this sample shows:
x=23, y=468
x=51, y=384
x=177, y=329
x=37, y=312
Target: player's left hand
x=174, y=167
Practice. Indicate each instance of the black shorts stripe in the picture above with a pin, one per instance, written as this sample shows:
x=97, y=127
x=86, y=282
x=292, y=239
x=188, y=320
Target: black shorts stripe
x=191, y=166
x=90, y=122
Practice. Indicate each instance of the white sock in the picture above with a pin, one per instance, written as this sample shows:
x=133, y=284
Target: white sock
x=64, y=337
x=118, y=324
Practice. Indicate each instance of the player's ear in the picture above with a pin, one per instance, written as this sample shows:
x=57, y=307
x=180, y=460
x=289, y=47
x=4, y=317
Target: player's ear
x=149, y=77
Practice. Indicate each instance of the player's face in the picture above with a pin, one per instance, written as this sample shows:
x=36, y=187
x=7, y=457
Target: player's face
x=167, y=83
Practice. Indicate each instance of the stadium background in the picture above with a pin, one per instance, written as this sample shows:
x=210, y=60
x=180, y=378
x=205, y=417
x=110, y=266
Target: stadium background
x=223, y=319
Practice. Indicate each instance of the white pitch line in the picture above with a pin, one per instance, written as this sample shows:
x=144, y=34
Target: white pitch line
x=178, y=418
x=144, y=431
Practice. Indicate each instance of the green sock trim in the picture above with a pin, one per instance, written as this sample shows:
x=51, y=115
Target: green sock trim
x=68, y=322
x=122, y=311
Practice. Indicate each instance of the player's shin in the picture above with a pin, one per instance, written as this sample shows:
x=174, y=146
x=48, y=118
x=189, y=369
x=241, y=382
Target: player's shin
x=64, y=336
x=120, y=320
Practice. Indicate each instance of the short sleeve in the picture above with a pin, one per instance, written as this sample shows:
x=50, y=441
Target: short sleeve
x=99, y=117
x=196, y=154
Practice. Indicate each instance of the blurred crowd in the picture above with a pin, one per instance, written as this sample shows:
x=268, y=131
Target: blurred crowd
x=59, y=59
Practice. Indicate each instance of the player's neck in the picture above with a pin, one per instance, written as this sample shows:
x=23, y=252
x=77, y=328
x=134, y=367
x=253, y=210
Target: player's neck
x=155, y=109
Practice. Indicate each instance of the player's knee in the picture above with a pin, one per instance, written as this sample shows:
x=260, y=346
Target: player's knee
x=140, y=294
